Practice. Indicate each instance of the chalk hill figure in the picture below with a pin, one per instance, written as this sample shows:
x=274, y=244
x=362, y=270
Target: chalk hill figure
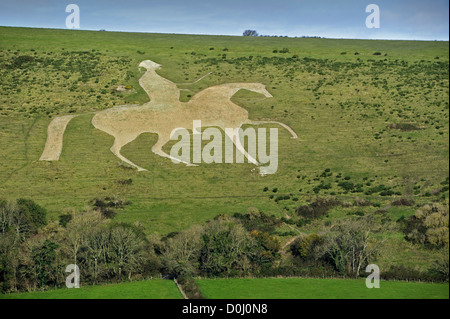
x=162, y=115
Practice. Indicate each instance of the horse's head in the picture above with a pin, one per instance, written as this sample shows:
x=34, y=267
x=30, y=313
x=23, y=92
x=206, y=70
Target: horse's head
x=259, y=88
x=149, y=65
x=266, y=93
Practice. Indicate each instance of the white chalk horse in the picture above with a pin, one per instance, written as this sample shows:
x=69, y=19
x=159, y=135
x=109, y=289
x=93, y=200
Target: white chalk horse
x=163, y=114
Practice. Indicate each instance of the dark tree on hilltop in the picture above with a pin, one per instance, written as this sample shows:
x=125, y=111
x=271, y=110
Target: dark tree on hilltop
x=250, y=33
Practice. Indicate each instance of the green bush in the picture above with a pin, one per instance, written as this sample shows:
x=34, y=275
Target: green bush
x=405, y=273
x=429, y=225
x=37, y=214
x=348, y=186
x=64, y=219
x=304, y=246
x=23, y=216
x=318, y=208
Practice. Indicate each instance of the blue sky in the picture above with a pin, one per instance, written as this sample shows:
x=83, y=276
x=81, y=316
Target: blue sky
x=400, y=19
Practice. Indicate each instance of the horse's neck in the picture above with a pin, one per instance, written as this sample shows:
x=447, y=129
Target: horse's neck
x=233, y=88
x=155, y=78
x=233, y=91
x=159, y=88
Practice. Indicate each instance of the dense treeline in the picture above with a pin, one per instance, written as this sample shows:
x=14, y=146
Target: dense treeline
x=34, y=252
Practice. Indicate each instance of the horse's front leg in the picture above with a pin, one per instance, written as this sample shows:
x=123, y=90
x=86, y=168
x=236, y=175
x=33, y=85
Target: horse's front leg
x=235, y=138
x=294, y=135
x=117, y=146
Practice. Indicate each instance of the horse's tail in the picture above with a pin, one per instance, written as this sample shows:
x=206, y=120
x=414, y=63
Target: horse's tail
x=294, y=135
x=55, y=132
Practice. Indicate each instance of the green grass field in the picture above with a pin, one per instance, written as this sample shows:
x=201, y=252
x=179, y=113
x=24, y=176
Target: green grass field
x=267, y=288
x=148, y=289
x=302, y=288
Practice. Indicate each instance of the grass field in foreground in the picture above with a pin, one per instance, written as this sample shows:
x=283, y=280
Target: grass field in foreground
x=262, y=288
x=148, y=289
x=302, y=288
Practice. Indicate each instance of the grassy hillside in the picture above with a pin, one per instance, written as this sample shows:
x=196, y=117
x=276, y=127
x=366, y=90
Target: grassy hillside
x=302, y=288
x=371, y=116
x=336, y=94
x=149, y=289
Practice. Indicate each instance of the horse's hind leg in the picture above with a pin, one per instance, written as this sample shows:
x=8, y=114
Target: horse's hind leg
x=234, y=137
x=117, y=146
x=294, y=135
x=157, y=149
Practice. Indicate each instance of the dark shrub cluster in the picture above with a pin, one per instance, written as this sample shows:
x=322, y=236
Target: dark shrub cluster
x=410, y=274
x=406, y=127
x=318, y=208
x=256, y=220
x=190, y=287
x=403, y=202
x=429, y=226
x=304, y=246
x=106, y=205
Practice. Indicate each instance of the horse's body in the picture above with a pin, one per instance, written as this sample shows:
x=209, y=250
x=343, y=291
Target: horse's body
x=163, y=114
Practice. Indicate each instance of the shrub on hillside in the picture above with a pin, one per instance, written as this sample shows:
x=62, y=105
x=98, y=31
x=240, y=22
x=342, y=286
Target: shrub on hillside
x=20, y=61
x=348, y=186
x=402, y=273
x=352, y=245
x=305, y=246
x=361, y=202
x=105, y=205
x=405, y=127
x=318, y=208
x=64, y=219
x=403, y=202
x=429, y=225
x=253, y=219
x=440, y=266
x=23, y=216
